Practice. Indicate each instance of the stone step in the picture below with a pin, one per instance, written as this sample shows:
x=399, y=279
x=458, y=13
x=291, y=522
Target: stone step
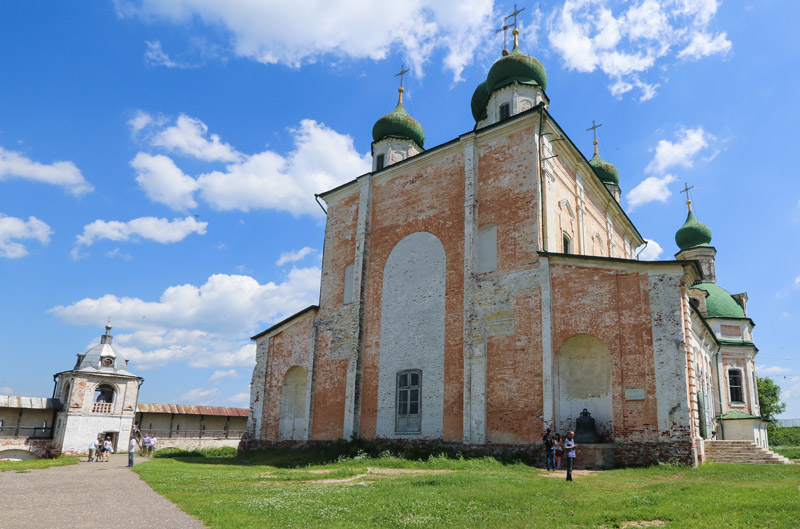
x=742, y=452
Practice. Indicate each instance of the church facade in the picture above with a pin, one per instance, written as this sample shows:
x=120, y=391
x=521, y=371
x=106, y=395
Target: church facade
x=483, y=290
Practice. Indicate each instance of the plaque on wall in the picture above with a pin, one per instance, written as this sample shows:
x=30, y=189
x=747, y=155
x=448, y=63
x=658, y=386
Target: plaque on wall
x=634, y=394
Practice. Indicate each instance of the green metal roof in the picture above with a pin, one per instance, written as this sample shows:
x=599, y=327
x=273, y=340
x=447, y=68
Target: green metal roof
x=719, y=302
x=736, y=414
x=606, y=172
x=514, y=67
x=693, y=233
x=399, y=124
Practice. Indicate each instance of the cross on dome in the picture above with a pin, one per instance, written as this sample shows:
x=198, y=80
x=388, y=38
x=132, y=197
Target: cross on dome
x=594, y=128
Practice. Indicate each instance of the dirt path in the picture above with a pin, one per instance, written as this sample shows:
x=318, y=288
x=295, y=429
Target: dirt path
x=86, y=495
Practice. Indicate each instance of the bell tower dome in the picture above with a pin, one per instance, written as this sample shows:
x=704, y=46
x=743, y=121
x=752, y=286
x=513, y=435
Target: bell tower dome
x=396, y=136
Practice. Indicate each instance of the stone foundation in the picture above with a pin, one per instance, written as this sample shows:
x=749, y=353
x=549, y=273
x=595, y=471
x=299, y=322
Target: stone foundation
x=41, y=448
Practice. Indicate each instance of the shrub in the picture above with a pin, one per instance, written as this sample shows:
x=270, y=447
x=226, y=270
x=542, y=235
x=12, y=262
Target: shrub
x=220, y=451
x=783, y=436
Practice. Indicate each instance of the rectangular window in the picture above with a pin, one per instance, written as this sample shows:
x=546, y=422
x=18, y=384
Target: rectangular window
x=565, y=242
x=735, y=386
x=487, y=248
x=409, y=388
x=379, y=162
x=505, y=111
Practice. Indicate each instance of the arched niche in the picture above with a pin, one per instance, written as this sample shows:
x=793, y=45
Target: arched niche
x=583, y=380
x=293, y=423
x=104, y=393
x=412, y=337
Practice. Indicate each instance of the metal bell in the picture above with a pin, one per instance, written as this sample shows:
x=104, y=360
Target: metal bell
x=585, y=431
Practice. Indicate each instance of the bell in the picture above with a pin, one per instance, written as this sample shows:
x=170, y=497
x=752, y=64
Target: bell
x=585, y=431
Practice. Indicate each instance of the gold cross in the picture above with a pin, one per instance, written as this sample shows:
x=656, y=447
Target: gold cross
x=403, y=71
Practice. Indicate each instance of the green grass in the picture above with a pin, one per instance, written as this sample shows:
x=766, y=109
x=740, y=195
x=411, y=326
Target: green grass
x=792, y=452
x=273, y=488
x=6, y=466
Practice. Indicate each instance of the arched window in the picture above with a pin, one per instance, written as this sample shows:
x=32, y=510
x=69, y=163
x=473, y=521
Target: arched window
x=104, y=393
x=505, y=111
x=409, y=390
x=566, y=243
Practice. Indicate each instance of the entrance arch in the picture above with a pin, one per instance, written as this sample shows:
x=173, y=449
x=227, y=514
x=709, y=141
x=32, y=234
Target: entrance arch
x=293, y=424
x=583, y=380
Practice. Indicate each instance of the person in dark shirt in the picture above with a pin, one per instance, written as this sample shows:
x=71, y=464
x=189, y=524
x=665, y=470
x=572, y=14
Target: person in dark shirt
x=549, y=450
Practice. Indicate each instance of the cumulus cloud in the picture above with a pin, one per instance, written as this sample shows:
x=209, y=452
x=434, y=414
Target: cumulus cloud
x=200, y=396
x=203, y=326
x=680, y=153
x=651, y=189
x=189, y=136
x=299, y=33
x=65, y=174
x=293, y=257
x=156, y=229
x=651, y=252
x=771, y=370
x=164, y=182
x=221, y=373
x=13, y=229
x=322, y=159
x=625, y=40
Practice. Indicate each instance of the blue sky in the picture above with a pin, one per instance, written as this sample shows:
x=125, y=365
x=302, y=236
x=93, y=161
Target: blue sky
x=158, y=158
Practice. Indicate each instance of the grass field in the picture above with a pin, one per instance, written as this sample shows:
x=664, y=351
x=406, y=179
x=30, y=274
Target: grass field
x=6, y=466
x=792, y=452
x=292, y=488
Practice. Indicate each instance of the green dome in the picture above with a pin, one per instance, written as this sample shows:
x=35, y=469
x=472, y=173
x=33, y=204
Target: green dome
x=606, y=172
x=398, y=124
x=479, y=100
x=719, y=302
x=516, y=66
x=693, y=233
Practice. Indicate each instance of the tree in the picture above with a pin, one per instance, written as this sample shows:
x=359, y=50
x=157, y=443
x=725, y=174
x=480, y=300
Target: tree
x=769, y=398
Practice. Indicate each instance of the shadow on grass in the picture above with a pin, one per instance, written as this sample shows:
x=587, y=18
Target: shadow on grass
x=342, y=451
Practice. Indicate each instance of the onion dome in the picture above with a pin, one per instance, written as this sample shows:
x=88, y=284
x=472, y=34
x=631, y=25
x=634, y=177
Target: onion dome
x=719, y=302
x=606, y=172
x=693, y=232
x=399, y=124
x=514, y=66
x=480, y=98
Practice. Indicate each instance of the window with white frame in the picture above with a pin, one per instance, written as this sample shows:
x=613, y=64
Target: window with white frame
x=735, y=389
x=409, y=393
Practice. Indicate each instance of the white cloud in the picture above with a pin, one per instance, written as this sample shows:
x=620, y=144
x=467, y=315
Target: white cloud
x=156, y=229
x=188, y=136
x=139, y=121
x=13, y=229
x=298, y=33
x=64, y=174
x=322, y=159
x=116, y=253
x=797, y=282
x=220, y=373
x=703, y=45
x=771, y=370
x=200, y=396
x=650, y=189
x=681, y=152
x=651, y=252
x=243, y=397
x=204, y=326
x=588, y=36
x=293, y=257
x=163, y=182
x=155, y=55
x=6, y=390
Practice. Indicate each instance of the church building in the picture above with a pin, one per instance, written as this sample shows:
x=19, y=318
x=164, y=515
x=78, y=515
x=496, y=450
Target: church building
x=485, y=289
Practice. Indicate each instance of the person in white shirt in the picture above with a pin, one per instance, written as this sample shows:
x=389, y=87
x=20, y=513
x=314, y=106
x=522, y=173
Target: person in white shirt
x=131, y=450
x=107, y=449
x=153, y=441
x=92, y=449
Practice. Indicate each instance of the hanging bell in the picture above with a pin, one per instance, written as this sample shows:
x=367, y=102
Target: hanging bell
x=585, y=431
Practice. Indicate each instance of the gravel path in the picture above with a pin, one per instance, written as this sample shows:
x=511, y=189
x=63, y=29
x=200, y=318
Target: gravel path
x=58, y=498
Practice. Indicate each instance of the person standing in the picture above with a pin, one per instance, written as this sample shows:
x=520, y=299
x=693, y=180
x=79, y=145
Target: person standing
x=153, y=441
x=107, y=449
x=549, y=450
x=559, y=451
x=569, y=448
x=92, y=449
x=131, y=450
x=145, y=444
